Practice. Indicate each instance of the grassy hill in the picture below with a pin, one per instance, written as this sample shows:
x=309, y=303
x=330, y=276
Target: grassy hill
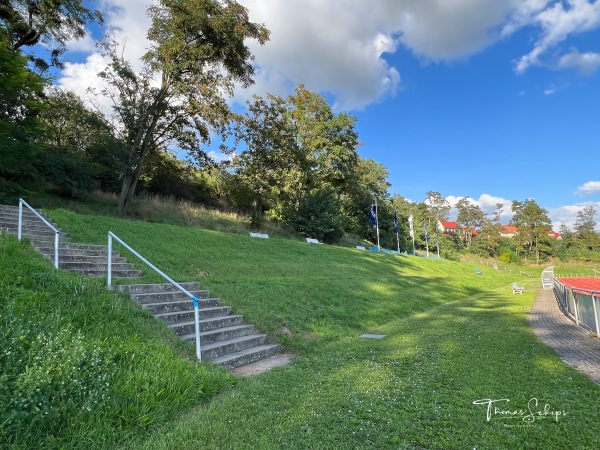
x=452, y=338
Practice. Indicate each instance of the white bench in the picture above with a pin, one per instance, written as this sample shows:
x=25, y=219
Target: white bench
x=517, y=289
x=259, y=235
x=313, y=241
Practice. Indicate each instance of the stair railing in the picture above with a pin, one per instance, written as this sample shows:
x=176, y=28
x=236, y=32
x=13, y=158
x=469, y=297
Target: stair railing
x=112, y=236
x=52, y=227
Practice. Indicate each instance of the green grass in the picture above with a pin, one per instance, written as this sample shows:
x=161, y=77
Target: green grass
x=84, y=367
x=453, y=337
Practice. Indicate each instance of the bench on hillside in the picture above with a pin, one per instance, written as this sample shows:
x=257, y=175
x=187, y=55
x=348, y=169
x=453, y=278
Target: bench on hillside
x=259, y=235
x=478, y=272
x=313, y=241
x=360, y=247
x=517, y=289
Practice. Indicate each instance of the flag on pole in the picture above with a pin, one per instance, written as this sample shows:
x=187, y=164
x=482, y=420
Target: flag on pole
x=373, y=215
x=410, y=224
x=395, y=222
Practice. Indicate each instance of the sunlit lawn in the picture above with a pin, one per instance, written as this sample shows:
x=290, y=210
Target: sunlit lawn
x=452, y=338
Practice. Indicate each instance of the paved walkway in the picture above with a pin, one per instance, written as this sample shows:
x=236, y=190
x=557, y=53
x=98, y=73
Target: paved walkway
x=574, y=344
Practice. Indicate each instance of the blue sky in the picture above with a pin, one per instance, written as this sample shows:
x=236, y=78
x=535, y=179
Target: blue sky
x=496, y=100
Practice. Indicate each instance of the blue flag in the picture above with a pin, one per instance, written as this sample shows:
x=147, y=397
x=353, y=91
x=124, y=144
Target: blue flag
x=395, y=222
x=373, y=215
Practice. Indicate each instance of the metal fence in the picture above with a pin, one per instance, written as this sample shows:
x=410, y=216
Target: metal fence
x=581, y=305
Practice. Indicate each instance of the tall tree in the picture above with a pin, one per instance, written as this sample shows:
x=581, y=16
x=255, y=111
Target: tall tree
x=533, y=226
x=20, y=104
x=585, y=227
x=198, y=52
x=470, y=218
x=270, y=151
x=438, y=209
x=327, y=141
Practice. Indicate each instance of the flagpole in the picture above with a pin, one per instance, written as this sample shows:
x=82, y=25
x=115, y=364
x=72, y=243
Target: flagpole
x=412, y=233
x=396, y=229
x=426, y=240
x=377, y=223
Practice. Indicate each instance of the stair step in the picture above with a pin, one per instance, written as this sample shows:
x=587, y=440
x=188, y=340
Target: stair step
x=104, y=273
x=85, y=265
x=44, y=246
x=25, y=226
x=186, y=328
x=247, y=356
x=180, y=305
x=238, y=344
x=166, y=297
x=31, y=235
x=64, y=252
x=156, y=288
x=186, y=316
x=220, y=334
x=90, y=259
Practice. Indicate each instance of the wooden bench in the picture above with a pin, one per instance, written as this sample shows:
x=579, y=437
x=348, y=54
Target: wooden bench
x=517, y=289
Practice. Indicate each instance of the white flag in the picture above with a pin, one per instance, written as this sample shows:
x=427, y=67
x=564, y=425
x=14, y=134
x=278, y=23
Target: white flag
x=410, y=223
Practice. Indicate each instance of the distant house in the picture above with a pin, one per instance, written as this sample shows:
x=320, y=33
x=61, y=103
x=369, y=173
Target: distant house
x=452, y=227
x=510, y=231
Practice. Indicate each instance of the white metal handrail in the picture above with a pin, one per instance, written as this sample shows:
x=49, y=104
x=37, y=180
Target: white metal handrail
x=112, y=236
x=52, y=227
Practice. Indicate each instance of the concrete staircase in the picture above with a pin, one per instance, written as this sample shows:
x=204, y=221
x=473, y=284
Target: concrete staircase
x=224, y=337
x=84, y=259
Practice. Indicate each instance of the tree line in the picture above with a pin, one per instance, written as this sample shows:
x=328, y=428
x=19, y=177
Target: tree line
x=292, y=159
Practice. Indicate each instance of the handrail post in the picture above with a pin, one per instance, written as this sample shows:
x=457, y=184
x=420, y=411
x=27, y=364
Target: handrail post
x=56, y=250
x=596, y=319
x=197, y=326
x=109, y=259
x=20, y=219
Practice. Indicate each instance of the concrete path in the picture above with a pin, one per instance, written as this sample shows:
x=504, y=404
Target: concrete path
x=575, y=345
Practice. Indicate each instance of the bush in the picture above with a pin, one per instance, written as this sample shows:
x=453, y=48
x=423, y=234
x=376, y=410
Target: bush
x=318, y=217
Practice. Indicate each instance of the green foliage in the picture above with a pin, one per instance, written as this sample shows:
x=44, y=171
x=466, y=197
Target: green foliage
x=51, y=22
x=64, y=375
x=318, y=216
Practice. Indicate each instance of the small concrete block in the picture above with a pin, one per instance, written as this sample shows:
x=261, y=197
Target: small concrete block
x=372, y=336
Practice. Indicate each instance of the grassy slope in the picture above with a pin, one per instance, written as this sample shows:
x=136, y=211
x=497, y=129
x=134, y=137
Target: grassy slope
x=453, y=338
x=81, y=366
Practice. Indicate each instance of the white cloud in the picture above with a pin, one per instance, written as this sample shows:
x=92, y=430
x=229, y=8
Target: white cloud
x=130, y=23
x=591, y=187
x=567, y=215
x=586, y=63
x=558, y=23
x=487, y=203
x=341, y=47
